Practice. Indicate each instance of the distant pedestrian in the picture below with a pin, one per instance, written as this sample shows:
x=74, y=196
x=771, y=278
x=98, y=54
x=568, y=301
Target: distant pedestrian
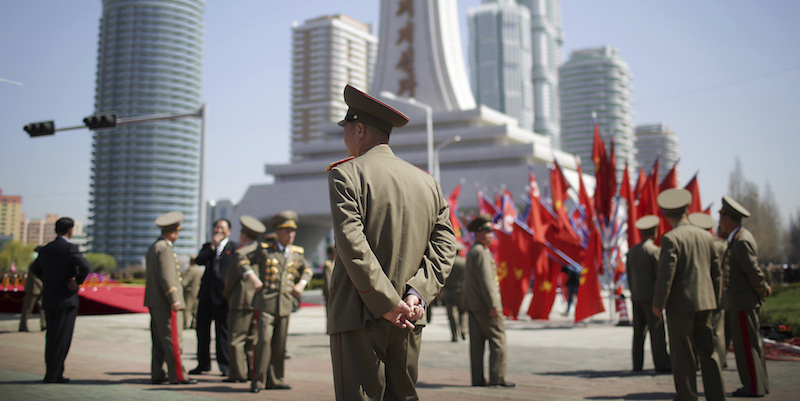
x=745, y=287
x=62, y=269
x=640, y=267
x=33, y=298
x=482, y=300
x=191, y=289
x=685, y=280
x=454, y=297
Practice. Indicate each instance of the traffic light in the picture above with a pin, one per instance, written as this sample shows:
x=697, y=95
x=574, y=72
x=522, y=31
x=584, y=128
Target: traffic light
x=43, y=128
x=101, y=121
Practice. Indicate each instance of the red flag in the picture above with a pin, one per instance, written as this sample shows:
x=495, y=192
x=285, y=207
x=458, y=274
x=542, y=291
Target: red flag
x=602, y=197
x=537, y=221
x=544, y=291
x=590, y=301
x=560, y=234
x=612, y=176
x=694, y=188
x=452, y=201
x=670, y=180
x=625, y=191
x=485, y=206
x=640, y=183
x=511, y=242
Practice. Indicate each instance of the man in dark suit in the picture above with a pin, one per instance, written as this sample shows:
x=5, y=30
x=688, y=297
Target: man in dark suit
x=394, y=250
x=62, y=268
x=212, y=305
x=745, y=288
x=688, y=271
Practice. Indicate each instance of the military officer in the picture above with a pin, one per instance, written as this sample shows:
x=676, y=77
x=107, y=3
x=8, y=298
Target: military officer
x=482, y=301
x=33, y=297
x=745, y=287
x=394, y=250
x=284, y=273
x=163, y=295
x=706, y=222
x=240, y=288
x=191, y=288
x=640, y=266
x=685, y=280
x=454, y=297
x=327, y=271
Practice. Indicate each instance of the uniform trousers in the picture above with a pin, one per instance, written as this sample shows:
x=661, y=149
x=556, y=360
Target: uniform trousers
x=206, y=312
x=691, y=333
x=645, y=321
x=485, y=328
x=376, y=362
x=242, y=331
x=28, y=302
x=167, y=340
x=718, y=323
x=749, y=350
x=58, y=338
x=456, y=314
x=269, y=356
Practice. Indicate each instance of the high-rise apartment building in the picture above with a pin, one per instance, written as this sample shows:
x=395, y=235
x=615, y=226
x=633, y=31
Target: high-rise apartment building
x=546, y=40
x=657, y=141
x=327, y=53
x=500, y=59
x=597, y=81
x=11, y=216
x=149, y=62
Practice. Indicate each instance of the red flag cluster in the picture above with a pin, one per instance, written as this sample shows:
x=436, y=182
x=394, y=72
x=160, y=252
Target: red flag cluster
x=535, y=248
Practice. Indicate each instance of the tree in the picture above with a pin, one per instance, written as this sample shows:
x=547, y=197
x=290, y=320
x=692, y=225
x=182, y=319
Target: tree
x=101, y=263
x=793, y=239
x=764, y=221
x=18, y=253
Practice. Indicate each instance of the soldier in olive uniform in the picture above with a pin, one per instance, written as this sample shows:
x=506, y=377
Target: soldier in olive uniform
x=706, y=222
x=482, y=300
x=327, y=271
x=687, y=271
x=640, y=266
x=454, y=297
x=240, y=288
x=191, y=288
x=284, y=273
x=33, y=297
x=163, y=295
x=745, y=287
x=394, y=250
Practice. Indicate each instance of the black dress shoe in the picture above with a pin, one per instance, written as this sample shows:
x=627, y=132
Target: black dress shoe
x=162, y=381
x=742, y=393
x=504, y=384
x=187, y=381
x=60, y=380
x=255, y=390
x=198, y=371
x=280, y=387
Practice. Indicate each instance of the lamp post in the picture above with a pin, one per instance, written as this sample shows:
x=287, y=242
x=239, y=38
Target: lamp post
x=428, y=120
x=436, y=168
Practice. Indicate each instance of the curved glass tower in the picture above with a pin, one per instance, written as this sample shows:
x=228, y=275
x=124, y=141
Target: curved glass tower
x=149, y=62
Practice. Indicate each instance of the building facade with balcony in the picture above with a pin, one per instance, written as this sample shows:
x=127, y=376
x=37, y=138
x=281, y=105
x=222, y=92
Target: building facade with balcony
x=149, y=62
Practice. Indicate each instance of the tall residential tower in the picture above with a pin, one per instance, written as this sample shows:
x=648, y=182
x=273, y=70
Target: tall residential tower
x=149, y=62
x=327, y=53
x=500, y=59
x=657, y=141
x=597, y=81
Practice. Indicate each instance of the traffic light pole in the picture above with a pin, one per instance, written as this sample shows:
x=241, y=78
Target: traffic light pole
x=142, y=119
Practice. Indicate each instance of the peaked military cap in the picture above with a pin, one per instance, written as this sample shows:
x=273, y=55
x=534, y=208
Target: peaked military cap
x=366, y=109
x=733, y=208
x=170, y=221
x=674, y=201
x=480, y=223
x=251, y=226
x=701, y=220
x=286, y=218
x=647, y=222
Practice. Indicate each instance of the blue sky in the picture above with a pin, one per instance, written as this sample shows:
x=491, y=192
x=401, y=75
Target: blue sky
x=723, y=75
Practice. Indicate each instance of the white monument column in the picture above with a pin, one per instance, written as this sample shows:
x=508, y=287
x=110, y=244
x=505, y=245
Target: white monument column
x=420, y=54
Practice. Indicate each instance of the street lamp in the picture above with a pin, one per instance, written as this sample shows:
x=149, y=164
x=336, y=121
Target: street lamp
x=436, y=168
x=428, y=120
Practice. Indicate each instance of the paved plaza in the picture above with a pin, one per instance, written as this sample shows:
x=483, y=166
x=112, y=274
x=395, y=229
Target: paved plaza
x=552, y=360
